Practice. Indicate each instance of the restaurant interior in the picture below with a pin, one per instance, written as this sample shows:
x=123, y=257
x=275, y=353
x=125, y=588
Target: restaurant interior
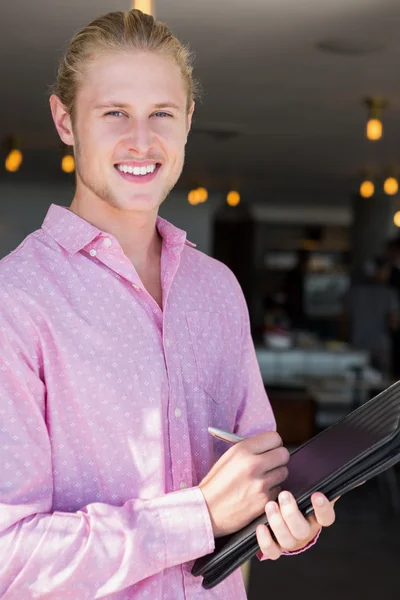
x=291, y=179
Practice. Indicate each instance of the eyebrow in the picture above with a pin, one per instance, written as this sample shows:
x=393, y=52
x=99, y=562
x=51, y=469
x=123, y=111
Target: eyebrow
x=113, y=103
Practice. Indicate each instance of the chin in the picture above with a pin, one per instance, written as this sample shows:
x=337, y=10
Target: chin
x=142, y=203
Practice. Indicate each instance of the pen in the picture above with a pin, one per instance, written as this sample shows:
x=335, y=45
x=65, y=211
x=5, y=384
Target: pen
x=232, y=438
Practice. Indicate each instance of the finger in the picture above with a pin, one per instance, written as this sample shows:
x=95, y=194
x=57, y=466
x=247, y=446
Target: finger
x=296, y=522
x=268, y=546
x=323, y=509
x=274, y=478
x=279, y=457
x=279, y=528
x=258, y=444
x=273, y=493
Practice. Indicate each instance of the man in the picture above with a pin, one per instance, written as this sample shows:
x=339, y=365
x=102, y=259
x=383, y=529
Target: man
x=371, y=314
x=120, y=345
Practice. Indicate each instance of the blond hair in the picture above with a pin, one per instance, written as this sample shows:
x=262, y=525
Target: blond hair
x=118, y=32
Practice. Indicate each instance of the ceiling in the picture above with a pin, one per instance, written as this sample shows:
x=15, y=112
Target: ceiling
x=298, y=110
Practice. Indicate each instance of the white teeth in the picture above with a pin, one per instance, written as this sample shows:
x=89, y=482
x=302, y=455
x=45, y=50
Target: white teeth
x=137, y=170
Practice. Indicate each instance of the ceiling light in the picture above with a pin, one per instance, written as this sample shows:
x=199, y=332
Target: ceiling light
x=193, y=197
x=202, y=194
x=374, y=128
x=367, y=189
x=146, y=6
x=13, y=161
x=391, y=186
x=197, y=196
x=396, y=219
x=68, y=162
x=233, y=198
x=14, y=157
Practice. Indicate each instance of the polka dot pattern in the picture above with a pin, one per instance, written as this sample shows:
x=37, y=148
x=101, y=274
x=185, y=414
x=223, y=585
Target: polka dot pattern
x=105, y=401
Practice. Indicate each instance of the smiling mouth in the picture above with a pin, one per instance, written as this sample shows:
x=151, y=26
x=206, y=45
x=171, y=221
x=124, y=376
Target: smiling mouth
x=138, y=171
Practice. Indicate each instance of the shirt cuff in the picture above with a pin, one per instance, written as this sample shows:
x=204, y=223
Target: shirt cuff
x=186, y=526
x=309, y=545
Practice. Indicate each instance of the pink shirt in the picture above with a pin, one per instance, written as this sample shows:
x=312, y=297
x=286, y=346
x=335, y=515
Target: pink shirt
x=105, y=402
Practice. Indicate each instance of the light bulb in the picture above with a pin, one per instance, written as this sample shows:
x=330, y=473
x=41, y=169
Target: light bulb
x=193, y=197
x=367, y=189
x=13, y=161
x=374, y=129
x=202, y=194
x=146, y=6
x=68, y=163
x=233, y=198
x=396, y=219
x=391, y=186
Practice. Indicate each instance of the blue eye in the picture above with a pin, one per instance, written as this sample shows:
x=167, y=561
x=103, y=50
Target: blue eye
x=115, y=112
x=162, y=113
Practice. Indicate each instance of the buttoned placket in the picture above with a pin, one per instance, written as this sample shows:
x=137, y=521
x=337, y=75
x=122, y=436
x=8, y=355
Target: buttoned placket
x=178, y=435
x=178, y=439
x=107, y=250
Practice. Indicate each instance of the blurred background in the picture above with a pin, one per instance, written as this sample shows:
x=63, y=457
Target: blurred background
x=291, y=179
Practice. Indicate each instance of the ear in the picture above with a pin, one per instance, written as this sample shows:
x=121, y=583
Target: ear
x=190, y=116
x=62, y=120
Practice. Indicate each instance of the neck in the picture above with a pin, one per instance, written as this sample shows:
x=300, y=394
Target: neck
x=136, y=232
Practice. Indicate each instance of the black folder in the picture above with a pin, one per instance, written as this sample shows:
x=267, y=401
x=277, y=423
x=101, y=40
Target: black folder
x=356, y=448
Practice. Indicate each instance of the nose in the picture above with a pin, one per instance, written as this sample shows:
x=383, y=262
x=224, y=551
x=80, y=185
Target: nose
x=140, y=138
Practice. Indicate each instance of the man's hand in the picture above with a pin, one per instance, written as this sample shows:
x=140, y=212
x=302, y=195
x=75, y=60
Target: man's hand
x=243, y=480
x=291, y=529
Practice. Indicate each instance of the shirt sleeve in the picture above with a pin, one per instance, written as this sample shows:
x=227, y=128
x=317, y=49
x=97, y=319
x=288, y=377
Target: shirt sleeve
x=98, y=550
x=255, y=414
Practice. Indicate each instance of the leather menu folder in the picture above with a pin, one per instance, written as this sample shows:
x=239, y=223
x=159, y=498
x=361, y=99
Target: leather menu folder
x=356, y=448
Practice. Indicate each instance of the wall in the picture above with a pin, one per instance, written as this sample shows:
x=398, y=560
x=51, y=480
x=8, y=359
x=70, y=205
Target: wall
x=23, y=208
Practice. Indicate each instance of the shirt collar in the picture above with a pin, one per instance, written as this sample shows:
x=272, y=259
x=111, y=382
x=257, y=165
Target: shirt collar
x=74, y=233
x=173, y=236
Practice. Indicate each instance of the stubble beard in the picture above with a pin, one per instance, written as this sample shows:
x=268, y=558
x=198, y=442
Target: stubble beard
x=104, y=192
x=101, y=191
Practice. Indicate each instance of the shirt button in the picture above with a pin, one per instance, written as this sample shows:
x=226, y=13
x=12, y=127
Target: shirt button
x=177, y=412
x=107, y=242
x=183, y=485
x=167, y=342
x=93, y=252
x=136, y=287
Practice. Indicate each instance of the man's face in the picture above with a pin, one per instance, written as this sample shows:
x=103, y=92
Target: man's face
x=131, y=114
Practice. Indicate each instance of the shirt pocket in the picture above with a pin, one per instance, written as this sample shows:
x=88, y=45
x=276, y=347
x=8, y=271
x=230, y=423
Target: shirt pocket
x=215, y=341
